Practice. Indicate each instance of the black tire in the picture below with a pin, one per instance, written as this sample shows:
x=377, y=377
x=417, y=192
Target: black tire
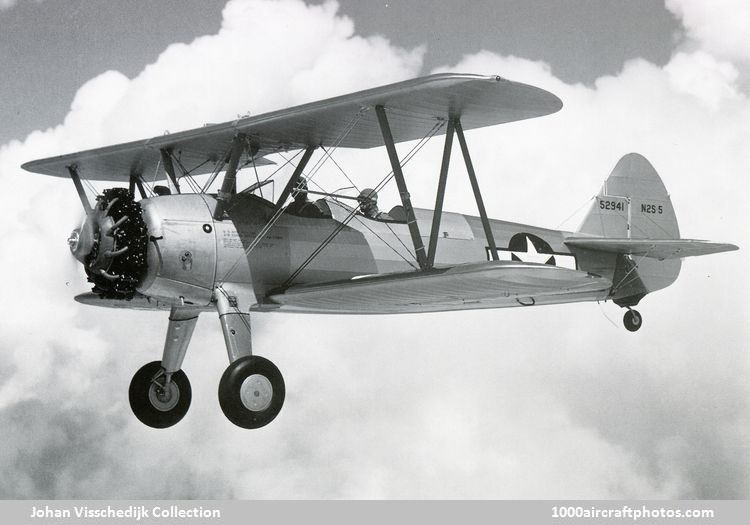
x=264, y=392
x=632, y=320
x=147, y=400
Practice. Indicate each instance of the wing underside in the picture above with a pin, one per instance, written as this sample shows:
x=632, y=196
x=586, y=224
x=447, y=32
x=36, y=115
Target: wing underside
x=482, y=285
x=414, y=107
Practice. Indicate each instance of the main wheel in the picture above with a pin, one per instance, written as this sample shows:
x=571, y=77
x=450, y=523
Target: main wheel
x=632, y=320
x=155, y=404
x=251, y=392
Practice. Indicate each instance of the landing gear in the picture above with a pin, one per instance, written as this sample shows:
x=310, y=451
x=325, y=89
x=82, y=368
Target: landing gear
x=632, y=320
x=160, y=392
x=251, y=392
x=159, y=400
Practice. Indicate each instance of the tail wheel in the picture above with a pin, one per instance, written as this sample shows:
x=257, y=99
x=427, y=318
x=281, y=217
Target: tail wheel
x=117, y=260
x=155, y=402
x=632, y=320
x=251, y=392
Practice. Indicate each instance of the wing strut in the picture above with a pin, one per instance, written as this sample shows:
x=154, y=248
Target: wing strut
x=166, y=159
x=79, y=188
x=477, y=193
x=437, y=214
x=293, y=180
x=411, y=220
x=136, y=180
x=229, y=184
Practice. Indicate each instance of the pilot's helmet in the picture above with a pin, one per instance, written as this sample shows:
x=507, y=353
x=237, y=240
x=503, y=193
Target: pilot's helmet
x=368, y=195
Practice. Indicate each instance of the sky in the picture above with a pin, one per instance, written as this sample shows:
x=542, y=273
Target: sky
x=552, y=402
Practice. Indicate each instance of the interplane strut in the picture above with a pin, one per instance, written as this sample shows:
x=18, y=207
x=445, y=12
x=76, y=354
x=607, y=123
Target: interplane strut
x=477, y=193
x=398, y=174
x=438, y=212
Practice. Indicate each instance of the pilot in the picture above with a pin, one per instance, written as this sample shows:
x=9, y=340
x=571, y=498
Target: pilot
x=300, y=197
x=303, y=207
x=368, y=203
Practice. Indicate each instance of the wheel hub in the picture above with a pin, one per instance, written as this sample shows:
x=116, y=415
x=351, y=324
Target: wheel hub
x=164, y=398
x=256, y=392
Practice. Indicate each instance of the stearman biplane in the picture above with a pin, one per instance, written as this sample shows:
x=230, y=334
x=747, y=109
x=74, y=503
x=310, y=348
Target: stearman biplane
x=235, y=252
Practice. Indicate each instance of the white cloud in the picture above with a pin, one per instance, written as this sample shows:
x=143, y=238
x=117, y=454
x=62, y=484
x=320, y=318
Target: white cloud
x=522, y=403
x=699, y=74
x=9, y=4
x=719, y=28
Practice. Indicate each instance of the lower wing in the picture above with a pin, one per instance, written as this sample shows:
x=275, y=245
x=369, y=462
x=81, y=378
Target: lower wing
x=467, y=286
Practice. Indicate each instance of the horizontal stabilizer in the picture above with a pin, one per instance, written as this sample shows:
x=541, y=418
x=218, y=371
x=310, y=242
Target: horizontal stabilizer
x=477, y=285
x=656, y=248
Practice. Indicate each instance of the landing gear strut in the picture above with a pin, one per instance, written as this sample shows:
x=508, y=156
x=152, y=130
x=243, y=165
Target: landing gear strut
x=251, y=391
x=632, y=320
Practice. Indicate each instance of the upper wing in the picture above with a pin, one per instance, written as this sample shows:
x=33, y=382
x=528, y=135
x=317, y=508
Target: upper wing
x=655, y=248
x=466, y=286
x=413, y=107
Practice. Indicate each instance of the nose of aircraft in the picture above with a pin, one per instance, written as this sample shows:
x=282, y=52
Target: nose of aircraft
x=111, y=244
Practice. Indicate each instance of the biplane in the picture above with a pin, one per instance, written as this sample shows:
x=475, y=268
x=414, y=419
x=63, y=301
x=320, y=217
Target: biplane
x=186, y=249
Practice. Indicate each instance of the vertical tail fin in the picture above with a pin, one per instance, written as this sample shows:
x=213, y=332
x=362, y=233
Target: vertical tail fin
x=632, y=204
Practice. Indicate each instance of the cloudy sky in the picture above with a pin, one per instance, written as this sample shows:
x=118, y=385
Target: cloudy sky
x=549, y=402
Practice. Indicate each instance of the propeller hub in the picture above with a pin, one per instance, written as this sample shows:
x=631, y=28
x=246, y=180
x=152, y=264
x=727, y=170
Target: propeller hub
x=73, y=239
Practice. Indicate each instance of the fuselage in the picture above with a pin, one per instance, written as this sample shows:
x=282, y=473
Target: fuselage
x=190, y=253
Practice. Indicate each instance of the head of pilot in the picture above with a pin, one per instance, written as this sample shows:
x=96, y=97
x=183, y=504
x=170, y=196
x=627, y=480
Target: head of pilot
x=368, y=202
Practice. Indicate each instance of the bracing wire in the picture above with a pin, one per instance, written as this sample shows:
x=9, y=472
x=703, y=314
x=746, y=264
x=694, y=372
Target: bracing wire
x=363, y=223
x=340, y=168
x=194, y=186
x=287, y=161
x=349, y=217
x=320, y=247
x=575, y=212
x=90, y=186
x=217, y=169
x=623, y=281
x=344, y=133
x=269, y=224
x=601, y=309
